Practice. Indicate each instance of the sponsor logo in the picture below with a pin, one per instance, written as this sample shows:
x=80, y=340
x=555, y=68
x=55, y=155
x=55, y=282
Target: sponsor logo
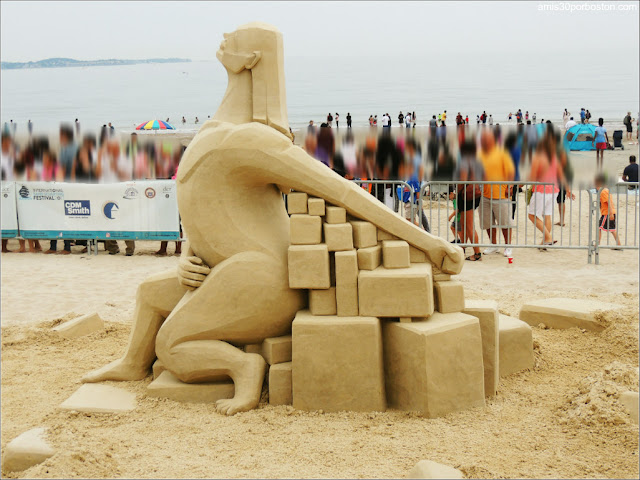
x=108, y=235
x=130, y=193
x=24, y=192
x=41, y=193
x=166, y=195
x=110, y=210
x=167, y=188
x=6, y=195
x=77, y=208
x=150, y=192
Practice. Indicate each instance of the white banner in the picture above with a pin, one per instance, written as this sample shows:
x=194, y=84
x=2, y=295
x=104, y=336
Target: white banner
x=9, y=211
x=140, y=210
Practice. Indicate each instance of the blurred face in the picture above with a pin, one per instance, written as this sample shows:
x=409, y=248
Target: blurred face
x=487, y=142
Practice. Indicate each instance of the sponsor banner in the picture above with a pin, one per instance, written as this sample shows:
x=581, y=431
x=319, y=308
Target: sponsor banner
x=9, y=211
x=140, y=210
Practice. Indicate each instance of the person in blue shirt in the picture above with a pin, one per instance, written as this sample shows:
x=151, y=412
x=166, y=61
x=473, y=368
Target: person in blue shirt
x=601, y=140
x=583, y=115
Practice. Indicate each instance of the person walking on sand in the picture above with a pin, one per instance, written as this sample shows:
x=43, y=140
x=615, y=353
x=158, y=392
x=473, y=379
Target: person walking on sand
x=337, y=120
x=607, y=210
x=348, y=120
x=628, y=122
x=601, y=140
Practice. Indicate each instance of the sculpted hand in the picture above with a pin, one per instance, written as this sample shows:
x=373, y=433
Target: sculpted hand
x=192, y=271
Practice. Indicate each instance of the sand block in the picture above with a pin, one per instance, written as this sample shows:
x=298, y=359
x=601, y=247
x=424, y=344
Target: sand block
x=369, y=258
x=323, y=302
x=253, y=348
x=515, y=345
x=565, y=313
x=158, y=368
x=309, y=266
x=346, y=283
x=486, y=311
x=280, y=384
x=305, y=230
x=429, y=469
x=398, y=292
x=382, y=235
x=297, y=202
x=168, y=386
x=316, y=206
x=338, y=236
x=449, y=296
x=364, y=234
x=335, y=215
x=337, y=363
x=96, y=398
x=630, y=402
x=434, y=366
x=417, y=256
x=26, y=450
x=80, y=326
x=277, y=349
x=395, y=254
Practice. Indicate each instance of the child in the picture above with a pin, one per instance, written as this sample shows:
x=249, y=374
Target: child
x=456, y=226
x=607, y=211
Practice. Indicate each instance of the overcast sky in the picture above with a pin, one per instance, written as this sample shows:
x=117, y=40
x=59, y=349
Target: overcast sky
x=95, y=30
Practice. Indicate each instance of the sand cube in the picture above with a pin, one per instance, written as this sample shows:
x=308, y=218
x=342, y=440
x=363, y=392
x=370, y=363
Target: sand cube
x=395, y=254
x=398, y=292
x=369, y=258
x=346, y=283
x=449, y=296
x=316, y=206
x=280, y=392
x=277, y=349
x=434, y=366
x=364, y=234
x=96, y=398
x=429, y=469
x=486, y=311
x=168, y=386
x=309, y=266
x=417, y=256
x=26, y=450
x=323, y=302
x=297, y=202
x=565, y=313
x=382, y=235
x=335, y=215
x=338, y=237
x=253, y=348
x=305, y=230
x=80, y=326
x=515, y=344
x=337, y=363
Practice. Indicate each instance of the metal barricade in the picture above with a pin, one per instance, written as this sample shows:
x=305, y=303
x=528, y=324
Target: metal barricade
x=393, y=185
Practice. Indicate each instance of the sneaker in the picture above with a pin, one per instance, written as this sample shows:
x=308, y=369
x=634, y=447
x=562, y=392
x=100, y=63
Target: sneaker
x=507, y=252
x=490, y=250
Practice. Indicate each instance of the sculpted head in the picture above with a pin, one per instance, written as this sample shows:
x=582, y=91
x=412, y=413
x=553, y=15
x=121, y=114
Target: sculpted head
x=258, y=48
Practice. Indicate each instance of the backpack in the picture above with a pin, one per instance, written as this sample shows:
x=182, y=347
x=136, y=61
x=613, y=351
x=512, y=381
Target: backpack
x=627, y=120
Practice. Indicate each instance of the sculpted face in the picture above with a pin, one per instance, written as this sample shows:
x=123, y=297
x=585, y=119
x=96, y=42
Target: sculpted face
x=233, y=56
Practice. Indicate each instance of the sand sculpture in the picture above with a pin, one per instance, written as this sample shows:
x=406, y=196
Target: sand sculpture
x=352, y=306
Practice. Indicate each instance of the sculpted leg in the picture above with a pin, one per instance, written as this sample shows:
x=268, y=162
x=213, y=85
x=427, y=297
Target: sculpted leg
x=244, y=299
x=155, y=299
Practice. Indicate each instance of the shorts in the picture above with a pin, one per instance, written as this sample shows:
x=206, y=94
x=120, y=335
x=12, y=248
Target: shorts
x=495, y=213
x=607, y=224
x=457, y=225
x=465, y=205
x=541, y=204
x=562, y=195
x=601, y=146
x=629, y=128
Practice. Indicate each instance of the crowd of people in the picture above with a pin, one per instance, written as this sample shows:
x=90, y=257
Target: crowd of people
x=85, y=159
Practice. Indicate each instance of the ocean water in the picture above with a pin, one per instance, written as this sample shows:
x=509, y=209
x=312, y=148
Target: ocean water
x=131, y=94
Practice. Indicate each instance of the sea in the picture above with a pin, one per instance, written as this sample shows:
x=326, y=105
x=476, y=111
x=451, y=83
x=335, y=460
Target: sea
x=127, y=95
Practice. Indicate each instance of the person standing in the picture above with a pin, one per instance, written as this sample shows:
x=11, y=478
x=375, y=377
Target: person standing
x=400, y=119
x=491, y=120
x=413, y=119
x=68, y=150
x=607, y=210
x=444, y=116
x=628, y=122
x=565, y=116
x=469, y=195
x=570, y=123
x=583, y=115
x=30, y=128
x=329, y=120
x=197, y=121
x=587, y=116
x=407, y=120
x=348, y=120
x=466, y=120
x=184, y=120
x=337, y=120
x=601, y=140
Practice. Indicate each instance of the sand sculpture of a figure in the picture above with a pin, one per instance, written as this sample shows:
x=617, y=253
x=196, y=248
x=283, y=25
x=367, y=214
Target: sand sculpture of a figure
x=231, y=287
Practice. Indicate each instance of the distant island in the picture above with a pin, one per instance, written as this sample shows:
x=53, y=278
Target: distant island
x=70, y=62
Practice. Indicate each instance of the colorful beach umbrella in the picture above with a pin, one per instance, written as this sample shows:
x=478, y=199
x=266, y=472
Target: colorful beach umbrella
x=155, y=125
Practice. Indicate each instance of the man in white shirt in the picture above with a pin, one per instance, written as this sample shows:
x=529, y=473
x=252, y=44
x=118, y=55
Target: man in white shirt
x=570, y=124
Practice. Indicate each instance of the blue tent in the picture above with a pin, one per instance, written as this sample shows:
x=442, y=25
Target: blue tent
x=579, y=137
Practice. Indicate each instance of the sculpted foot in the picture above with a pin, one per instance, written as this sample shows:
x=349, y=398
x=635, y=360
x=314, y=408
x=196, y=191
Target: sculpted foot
x=248, y=387
x=117, y=370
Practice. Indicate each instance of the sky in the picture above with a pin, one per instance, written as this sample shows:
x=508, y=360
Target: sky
x=150, y=29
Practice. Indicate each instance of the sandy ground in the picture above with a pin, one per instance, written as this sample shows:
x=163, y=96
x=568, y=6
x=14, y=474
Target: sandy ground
x=540, y=423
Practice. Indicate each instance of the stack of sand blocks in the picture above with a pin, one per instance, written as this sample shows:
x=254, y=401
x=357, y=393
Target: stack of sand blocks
x=383, y=327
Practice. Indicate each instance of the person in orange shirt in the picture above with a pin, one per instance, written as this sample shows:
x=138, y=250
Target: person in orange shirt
x=607, y=211
x=495, y=206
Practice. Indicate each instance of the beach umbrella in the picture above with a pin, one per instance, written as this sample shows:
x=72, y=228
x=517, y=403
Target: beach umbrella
x=155, y=125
